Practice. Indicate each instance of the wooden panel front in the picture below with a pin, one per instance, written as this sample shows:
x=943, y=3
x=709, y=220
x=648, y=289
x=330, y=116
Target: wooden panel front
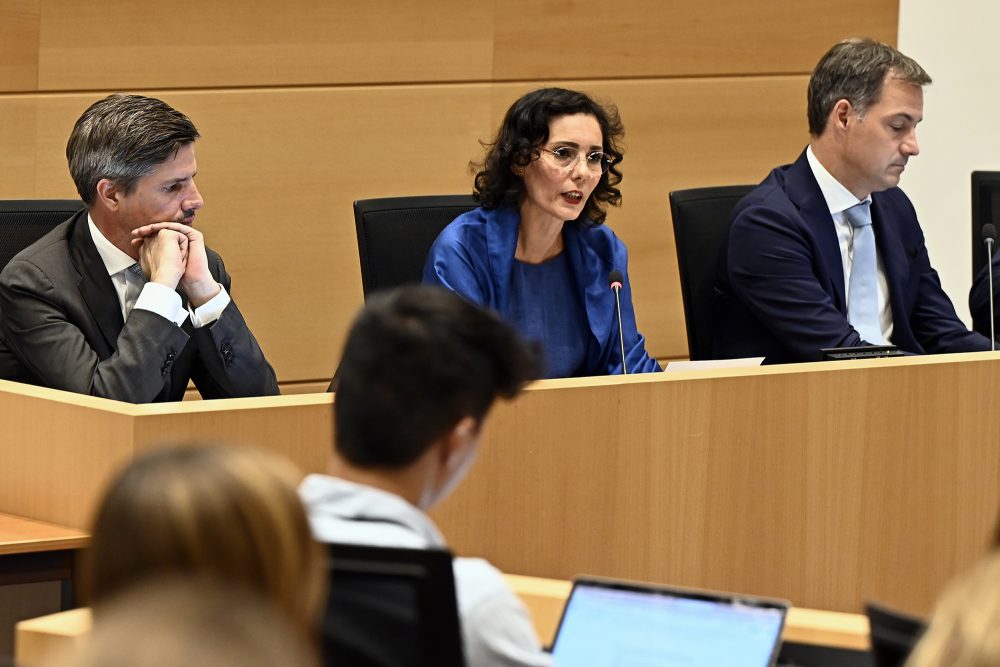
x=59, y=450
x=767, y=481
x=824, y=484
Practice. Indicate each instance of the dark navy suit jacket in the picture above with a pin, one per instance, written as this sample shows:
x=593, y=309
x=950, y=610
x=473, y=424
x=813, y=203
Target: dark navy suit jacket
x=780, y=284
x=979, y=298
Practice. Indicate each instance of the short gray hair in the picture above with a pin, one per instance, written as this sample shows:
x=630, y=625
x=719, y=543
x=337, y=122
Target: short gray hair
x=122, y=138
x=854, y=70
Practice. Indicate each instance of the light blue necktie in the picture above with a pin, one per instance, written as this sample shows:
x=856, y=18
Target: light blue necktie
x=862, y=297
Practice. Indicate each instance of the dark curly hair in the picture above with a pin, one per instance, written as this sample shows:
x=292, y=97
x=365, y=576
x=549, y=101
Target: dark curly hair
x=525, y=127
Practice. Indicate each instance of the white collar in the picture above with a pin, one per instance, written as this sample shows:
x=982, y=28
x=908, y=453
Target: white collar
x=115, y=261
x=838, y=198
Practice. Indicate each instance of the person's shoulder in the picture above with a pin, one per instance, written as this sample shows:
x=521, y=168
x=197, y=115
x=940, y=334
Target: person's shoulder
x=477, y=581
x=467, y=232
x=601, y=239
x=771, y=192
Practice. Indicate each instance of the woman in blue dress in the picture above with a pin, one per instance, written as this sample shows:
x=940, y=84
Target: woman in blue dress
x=536, y=250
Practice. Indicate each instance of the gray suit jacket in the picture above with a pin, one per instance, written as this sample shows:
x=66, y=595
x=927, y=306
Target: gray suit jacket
x=61, y=327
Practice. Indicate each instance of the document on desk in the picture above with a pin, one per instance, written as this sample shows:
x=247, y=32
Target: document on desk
x=713, y=364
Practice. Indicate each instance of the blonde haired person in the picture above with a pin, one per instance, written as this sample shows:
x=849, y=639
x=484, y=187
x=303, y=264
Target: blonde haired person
x=963, y=631
x=192, y=621
x=230, y=513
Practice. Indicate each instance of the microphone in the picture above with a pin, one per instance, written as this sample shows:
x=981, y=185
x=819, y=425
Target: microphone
x=616, y=280
x=989, y=236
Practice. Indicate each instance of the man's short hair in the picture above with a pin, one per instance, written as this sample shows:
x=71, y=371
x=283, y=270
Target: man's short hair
x=854, y=70
x=417, y=360
x=122, y=138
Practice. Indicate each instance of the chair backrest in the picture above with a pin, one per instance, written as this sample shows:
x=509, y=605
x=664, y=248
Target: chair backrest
x=390, y=607
x=395, y=234
x=985, y=210
x=893, y=634
x=701, y=217
x=24, y=222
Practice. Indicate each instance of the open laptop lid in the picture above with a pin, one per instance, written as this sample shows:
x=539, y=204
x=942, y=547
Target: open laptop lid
x=608, y=623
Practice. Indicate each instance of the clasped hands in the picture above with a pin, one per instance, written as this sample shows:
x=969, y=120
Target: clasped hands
x=173, y=254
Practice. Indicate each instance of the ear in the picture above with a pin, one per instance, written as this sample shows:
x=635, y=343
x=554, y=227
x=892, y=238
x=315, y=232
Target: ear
x=841, y=114
x=463, y=435
x=108, y=194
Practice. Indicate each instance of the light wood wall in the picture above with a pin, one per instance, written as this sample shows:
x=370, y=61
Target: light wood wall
x=306, y=106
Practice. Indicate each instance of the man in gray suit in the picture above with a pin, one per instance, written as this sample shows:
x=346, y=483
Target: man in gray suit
x=124, y=300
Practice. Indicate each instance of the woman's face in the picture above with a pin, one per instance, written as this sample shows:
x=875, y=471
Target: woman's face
x=559, y=193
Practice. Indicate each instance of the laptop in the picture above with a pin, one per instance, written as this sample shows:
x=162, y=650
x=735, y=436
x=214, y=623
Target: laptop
x=609, y=623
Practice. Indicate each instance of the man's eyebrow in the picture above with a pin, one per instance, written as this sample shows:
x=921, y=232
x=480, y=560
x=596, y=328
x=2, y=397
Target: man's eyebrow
x=180, y=179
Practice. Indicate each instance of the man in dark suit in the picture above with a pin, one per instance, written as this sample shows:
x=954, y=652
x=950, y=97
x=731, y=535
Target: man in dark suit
x=827, y=252
x=124, y=300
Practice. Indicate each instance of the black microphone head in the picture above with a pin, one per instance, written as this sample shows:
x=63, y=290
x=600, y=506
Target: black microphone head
x=615, y=278
x=988, y=233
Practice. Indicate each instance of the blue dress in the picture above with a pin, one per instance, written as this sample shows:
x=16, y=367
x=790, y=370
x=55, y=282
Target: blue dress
x=474, y=256
x=544, y=307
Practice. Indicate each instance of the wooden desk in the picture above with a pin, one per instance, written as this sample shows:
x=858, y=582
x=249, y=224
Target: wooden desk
x=60, y=449
x=763, y=481
x=34, y=551
x=39, y=638
x=544, y=598
x=766, y=481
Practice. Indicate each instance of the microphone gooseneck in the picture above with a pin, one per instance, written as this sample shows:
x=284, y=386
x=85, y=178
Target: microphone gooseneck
x=616, y=280
x=989, y=236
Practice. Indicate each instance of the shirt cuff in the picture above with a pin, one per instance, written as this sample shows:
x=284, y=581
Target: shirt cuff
x=163, y=301
x=211, y=310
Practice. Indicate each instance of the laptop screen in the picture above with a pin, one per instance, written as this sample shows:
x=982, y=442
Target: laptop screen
x=609, y=624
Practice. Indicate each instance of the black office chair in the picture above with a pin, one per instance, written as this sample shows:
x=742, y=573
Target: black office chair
x=985, y=210
x=700, y=217
x=395, y=234
x=390, y=607
x=24, y=222
x=893, y=634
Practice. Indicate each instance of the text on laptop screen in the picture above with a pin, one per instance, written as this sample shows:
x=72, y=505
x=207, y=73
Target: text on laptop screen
x=605, y=627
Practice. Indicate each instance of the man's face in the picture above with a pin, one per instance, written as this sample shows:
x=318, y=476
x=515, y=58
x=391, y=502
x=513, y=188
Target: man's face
x=879, y=143
x=168, y=194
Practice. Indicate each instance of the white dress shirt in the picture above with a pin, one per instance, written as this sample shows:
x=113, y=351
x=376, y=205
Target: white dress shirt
x=153, y=297
x=496, y=628
x=838, y=200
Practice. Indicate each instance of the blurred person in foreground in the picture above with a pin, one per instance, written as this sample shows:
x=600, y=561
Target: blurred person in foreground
x=190, y=622
x=226, y=513
x=963, y=630
x=420, y=370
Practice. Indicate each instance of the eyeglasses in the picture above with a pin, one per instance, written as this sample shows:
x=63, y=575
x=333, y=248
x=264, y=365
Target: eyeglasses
x=566, y=157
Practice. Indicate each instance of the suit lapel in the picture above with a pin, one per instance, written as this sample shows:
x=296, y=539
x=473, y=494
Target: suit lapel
x=805, y=193
x=895, y=262
x=95, y=286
